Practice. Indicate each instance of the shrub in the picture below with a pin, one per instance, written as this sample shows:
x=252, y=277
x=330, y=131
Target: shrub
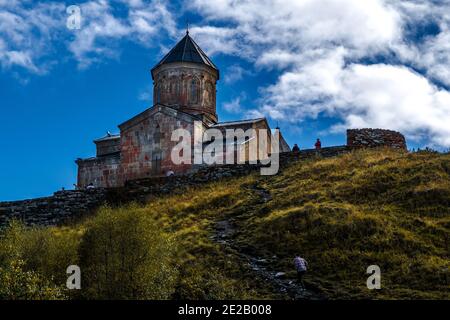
x=125, y=255
x=25, y=262
x=19, y=284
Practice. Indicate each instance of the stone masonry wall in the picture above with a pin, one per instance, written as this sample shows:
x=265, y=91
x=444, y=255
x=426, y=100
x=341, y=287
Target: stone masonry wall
x=144, y=189
x=101, y=171
x=61, y=207
x=67, y=205
x=191, y=86
x=149, y=140
x=370, y=138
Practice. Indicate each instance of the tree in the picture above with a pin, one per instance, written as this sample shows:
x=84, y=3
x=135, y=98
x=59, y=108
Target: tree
x=125, y=255
x=17, y=280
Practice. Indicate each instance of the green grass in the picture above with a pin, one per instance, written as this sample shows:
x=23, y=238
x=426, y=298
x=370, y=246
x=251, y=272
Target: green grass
x=342, y=214
x=369, y=207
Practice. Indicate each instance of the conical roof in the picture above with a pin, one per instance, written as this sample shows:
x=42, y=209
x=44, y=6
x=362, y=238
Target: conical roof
x=187, y=51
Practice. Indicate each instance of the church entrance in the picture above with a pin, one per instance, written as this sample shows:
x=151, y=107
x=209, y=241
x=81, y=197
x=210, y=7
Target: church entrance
x=156, y=164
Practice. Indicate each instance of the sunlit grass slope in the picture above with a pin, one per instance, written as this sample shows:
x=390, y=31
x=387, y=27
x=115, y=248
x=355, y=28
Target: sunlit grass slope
x=342, y=214
x=370, y=207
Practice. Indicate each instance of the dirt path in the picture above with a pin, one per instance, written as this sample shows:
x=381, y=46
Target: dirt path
x=224, y=232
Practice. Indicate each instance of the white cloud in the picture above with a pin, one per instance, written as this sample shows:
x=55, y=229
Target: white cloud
x=20, y=58
x=25, y=34
x=396, y=97
x=233, y=106
x=378, y=96
x=434, y=56
x=102, y=28
x=235, y=73
x=321, y=48
x=216, y=40
x=98, y=23
x=31, y=31
x=304, y=24
x=431, y=52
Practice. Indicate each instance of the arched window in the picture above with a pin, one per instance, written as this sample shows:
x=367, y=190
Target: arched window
x=173, y=90
x=156, y=152
x=177, y=88
x=173, y=82
x=157, y=137
x=194, y=90
x=209, y=97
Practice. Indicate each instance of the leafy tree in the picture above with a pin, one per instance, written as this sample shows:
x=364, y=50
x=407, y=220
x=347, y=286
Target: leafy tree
x=125, y=255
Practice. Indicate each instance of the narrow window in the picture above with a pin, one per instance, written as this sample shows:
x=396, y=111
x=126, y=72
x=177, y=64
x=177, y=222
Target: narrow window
x=158, y=93
x=177, y=88
x=157, y=137
x=194, y=91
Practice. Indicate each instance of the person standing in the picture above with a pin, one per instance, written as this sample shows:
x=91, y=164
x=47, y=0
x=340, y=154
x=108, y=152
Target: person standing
x=318, y=144
x=301, y=265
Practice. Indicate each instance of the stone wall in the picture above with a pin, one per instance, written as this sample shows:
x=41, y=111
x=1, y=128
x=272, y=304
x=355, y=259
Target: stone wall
x=61, y=207
x=144, y=189
x=101, y=172
x=146, y=143
x=107, y=146
x=370, y=138
x=66, y=205
x=189, y=85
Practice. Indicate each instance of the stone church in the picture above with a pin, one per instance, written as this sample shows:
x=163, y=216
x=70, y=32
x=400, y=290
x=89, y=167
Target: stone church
x=184, y=94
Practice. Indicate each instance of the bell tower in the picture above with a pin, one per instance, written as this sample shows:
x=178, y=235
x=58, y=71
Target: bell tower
x=186, y=79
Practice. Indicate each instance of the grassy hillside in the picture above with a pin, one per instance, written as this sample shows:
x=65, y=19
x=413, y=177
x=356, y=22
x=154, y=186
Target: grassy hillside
x=342, y=214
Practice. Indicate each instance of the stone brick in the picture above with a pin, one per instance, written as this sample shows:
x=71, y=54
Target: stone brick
x=60, y=207
x=371, y=138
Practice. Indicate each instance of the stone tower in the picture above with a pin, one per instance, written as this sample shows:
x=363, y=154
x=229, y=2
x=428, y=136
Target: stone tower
x=186, y=79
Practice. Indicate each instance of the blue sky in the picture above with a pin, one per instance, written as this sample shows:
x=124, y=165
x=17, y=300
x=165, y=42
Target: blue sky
x=313, y=67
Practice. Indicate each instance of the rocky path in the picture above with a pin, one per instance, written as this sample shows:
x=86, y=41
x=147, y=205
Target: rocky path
x=224, y=232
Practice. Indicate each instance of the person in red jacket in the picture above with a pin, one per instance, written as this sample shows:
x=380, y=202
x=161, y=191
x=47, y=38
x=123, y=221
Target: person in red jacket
x=318, y=144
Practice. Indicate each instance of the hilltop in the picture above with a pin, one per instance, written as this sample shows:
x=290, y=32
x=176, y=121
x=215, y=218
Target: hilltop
x=236, y=238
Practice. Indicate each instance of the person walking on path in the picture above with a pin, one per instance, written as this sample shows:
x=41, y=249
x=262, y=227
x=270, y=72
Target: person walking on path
x=301, y=265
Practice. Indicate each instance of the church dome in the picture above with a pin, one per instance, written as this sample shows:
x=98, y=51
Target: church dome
x=187, y=50
x=186, y=79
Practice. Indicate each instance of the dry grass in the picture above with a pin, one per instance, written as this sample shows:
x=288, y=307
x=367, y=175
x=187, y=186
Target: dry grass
x=342, y=214
x=369, y=207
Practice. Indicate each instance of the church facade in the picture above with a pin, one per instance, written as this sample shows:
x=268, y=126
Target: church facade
x=184, y=95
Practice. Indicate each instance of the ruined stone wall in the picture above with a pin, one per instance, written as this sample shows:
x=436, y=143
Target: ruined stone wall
x=370, y=138
x=59, y=208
